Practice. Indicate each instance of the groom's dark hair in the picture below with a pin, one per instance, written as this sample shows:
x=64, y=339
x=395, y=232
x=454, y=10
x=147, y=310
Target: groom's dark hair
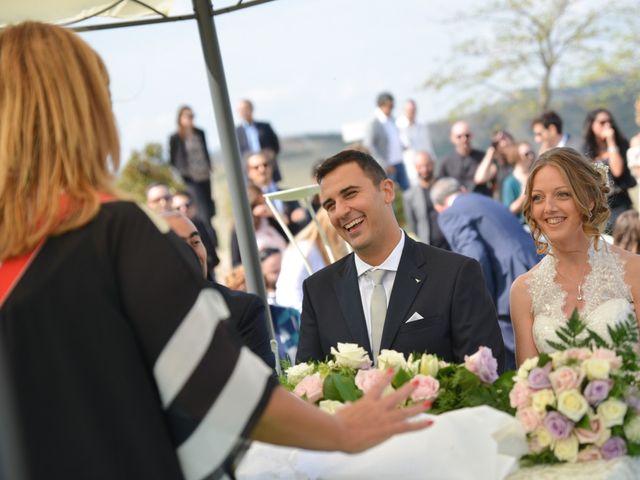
x=366, y=162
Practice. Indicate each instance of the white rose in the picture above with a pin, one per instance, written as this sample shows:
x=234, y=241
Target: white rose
x=350, y=355
x=596, y=368
x=558, y=358
x=391, y=359
x=429, y=365
x=413, y=364
x=298, y=372
x=544, y=437
x=567, y=449
x=632, y=429
x=572, y=405
x=330, y=406
x=525, y=368
x=542, y=398
x=612, y=412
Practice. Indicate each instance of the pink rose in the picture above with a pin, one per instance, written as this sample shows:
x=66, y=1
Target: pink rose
x=311, y=387
x=605, y=354
x=578, y=353
x=589, y=454
x=365, y=379
x=565, y=378
x=529, y=418
x=483, y=364
x=591, y=436
x=520, y=395
x=426, y=389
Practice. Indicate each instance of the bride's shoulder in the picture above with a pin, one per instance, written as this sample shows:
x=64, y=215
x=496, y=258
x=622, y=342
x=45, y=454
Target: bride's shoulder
x=631, y=260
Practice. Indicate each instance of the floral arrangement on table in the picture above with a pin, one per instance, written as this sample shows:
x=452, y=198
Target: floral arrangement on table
x=582, y=402
x=440, y=386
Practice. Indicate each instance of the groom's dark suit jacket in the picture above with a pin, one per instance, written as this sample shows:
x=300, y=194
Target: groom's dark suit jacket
x=445, y=288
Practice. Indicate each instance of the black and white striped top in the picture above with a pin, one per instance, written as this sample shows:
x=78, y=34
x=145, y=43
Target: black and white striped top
x=122, y=365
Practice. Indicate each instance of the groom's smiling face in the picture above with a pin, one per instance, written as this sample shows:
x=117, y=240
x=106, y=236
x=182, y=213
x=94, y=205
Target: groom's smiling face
x=359, y=210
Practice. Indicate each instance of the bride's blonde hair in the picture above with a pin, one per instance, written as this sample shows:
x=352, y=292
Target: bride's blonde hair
x=589, y=188
x=57, y=134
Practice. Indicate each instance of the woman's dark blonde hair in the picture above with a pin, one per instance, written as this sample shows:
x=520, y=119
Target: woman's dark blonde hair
x=589, y=189
x=58, y=136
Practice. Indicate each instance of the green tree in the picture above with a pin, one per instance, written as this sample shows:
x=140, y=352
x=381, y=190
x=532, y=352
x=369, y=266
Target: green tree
x=539, y=44
x=144, y=168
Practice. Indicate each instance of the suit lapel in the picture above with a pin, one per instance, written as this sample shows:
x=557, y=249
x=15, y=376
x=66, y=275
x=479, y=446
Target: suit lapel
x=408, y=282
x=348, y=293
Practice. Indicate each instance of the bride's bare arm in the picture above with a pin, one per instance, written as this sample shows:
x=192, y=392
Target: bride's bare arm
x=631, y=276
x=522, y=320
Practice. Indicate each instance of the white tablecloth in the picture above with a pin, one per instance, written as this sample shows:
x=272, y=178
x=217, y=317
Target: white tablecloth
x=473, y=443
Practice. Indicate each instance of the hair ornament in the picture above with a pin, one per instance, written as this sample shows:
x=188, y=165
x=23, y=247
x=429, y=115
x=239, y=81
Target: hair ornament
x=603, y=169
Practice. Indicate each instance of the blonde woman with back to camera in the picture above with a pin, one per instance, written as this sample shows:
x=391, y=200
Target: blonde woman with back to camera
x=566, y=209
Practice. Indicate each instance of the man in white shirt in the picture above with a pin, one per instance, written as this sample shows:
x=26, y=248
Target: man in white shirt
x=547, y=132
x=414, y=137
x=391, y=292
x=382, y=139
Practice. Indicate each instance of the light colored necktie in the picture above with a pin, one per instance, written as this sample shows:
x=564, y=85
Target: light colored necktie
x=378, y=310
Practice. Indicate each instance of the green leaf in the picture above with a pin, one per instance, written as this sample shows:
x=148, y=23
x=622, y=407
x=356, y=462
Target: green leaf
x=401, y=377
x=340, y=387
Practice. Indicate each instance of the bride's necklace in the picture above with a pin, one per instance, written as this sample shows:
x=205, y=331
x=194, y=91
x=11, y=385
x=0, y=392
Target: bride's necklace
x=580, y=294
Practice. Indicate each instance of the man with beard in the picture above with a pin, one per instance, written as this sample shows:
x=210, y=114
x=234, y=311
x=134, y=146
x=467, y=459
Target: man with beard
x=420, y=215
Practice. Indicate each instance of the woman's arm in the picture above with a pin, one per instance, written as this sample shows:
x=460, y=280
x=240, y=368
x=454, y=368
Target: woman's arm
x=522, y=320
x=486, y=168
x=616, y=161
x=287, y=420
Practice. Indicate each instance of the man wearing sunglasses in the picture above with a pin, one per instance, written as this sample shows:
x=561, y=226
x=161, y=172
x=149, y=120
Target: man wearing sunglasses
x=463, y=162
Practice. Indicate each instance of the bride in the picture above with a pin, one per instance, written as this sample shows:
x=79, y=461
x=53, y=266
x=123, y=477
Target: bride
x=566, y=207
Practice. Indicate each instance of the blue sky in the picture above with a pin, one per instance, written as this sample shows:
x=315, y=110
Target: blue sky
x=308, y=65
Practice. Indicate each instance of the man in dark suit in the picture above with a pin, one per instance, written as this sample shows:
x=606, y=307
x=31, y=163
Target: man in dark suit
x=257, y=136
x=433, y=300
x=246, y=311
x=481, y=228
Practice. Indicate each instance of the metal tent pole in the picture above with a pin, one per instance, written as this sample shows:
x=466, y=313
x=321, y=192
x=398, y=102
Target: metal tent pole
x=231, y=159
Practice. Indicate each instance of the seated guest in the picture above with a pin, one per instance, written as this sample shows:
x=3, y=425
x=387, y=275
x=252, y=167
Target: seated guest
x=246, y=310
x=626, y=231
x=183, y=203
x=260, y=173
x=268, y=232
x=422, y=218
x=159, y=197
x=391, y=292
x=294, y=270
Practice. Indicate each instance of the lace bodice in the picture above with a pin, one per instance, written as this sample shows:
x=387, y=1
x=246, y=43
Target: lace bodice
x=608, y=298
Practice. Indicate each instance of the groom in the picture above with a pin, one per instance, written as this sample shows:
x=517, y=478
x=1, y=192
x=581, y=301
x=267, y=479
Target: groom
x=392, y=292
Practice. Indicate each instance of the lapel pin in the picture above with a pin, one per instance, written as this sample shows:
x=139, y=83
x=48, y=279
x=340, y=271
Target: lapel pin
x=417, y=280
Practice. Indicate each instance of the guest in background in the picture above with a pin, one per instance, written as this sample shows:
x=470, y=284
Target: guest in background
x=294, y=270
x=183, y=203
x=268, y=232
x=494, y=167
x=415, y=137
x=421, y=217
x=270, y=264
x=626, y=231
x=547, y=131
x=256, y=137
x=463, y=162
x=382, y=140
x=520, y=157
x=246, y=311
x=481, y=228
x=188, y=153
x=260, y=174
x=604, y=143
x=159, y=197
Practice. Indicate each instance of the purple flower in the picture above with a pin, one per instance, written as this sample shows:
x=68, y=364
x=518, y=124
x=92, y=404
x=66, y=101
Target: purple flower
x=597, y=391
x=632, y=397
x=483, y=365
x=539, y=377
x=558, y=425
x=614, y=447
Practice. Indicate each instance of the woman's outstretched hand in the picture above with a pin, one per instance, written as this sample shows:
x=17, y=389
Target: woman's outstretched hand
x=374, y=418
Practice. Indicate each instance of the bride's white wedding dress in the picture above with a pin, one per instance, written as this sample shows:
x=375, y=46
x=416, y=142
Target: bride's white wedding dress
x=607, y=298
